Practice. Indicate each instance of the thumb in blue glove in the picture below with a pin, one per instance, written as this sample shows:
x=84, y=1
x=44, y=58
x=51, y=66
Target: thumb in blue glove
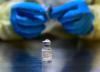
x=28, y=19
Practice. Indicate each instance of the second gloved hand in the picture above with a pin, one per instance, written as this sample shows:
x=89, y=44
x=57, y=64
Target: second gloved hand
x=28, y=19
x=75, y=17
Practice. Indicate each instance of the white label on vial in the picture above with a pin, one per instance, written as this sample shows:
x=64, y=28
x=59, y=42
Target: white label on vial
x=46, y=55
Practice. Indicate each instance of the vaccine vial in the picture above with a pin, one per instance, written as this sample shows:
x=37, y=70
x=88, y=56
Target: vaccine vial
x=47, y=51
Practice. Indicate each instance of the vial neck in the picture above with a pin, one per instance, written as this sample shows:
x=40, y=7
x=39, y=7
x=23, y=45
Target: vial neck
x=46, y=46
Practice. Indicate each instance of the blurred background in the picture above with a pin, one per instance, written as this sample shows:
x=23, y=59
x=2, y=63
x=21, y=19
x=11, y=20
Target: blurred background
x=69, y=55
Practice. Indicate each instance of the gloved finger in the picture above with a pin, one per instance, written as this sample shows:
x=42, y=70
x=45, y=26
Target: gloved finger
x=26, y=22
x=28, y=31
x=29, y=6
x=83, y=31
x=64, y=7
x=31, y=15
x=70, y=19
x=74, y=24
x=75, y=13
x=79, y=27
x=80, y=21
x=60, y=10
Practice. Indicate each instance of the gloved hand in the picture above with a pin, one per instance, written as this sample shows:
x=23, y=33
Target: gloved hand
x=75, y=17
x=28, y=19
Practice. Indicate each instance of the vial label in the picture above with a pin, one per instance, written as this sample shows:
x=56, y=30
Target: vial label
x=46, y=55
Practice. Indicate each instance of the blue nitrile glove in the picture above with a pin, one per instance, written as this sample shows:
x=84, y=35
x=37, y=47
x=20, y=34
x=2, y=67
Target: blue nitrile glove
x=75, y=17
x=28, y=19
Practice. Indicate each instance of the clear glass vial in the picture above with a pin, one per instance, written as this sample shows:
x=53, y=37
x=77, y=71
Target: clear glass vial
x=47, y=51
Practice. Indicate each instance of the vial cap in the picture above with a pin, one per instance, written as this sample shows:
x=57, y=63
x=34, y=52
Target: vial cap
x=46, y=42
